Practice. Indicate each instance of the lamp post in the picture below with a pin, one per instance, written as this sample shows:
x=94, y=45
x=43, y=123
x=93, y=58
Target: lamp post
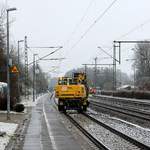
x=8, y=64
x=19, y=68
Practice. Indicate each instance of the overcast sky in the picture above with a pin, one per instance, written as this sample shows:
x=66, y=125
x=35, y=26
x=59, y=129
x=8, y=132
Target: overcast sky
x=51, y=22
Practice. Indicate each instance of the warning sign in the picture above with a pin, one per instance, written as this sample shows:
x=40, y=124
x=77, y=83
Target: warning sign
x=14, y=69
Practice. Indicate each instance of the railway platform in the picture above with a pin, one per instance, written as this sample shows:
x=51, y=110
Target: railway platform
x=46, y=131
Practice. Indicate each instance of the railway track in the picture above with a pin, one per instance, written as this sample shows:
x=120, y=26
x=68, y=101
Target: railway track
x=132, y=142
x=122, y=135
x=130, y=111
x=87, y=134
x=98, y=144
x=138, y=102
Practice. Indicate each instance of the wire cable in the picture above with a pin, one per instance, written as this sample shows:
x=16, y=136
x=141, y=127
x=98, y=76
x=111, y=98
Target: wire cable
x=107, y=53
x=93, y=24
x=134, y=29
x=46, y=55
x=33, y=52
x=80, y=22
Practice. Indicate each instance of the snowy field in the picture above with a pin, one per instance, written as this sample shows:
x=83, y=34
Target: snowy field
x=9, y=128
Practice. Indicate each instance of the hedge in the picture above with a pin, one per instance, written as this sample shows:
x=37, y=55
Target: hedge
x=128, y=94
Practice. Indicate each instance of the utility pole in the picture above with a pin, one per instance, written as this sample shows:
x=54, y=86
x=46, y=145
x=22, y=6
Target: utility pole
x=86, y=69
x=36, y=72
x=19, y=69
x=26, y=68
x=114, y=67
x=40, y=58
x=114, y=61
x=95, y=80
x=34, y=78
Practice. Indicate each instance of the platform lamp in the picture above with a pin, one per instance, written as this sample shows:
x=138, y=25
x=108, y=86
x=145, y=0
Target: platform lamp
x=8, y=65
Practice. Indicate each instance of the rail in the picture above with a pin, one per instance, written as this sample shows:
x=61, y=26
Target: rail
x=87, y=134
x=122, y=135
x=127, y=111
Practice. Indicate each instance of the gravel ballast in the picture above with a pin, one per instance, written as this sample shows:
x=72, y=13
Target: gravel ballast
x=135, y=131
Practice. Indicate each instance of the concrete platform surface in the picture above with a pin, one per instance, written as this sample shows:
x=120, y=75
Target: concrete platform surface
x=46, y=131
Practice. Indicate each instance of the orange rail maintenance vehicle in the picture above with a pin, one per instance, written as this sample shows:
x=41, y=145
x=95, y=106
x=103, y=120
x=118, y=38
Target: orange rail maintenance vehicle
x=72, y=93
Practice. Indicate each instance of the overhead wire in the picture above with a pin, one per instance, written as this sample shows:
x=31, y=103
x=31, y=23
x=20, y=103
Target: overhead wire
x=50, y=53
x=80, y=22
x=122, y=36
x=131, y=31
x=40, y=58
x=33, y=52
x=105, y=52
x=78, y=25
x=134, y=29
x=93, y=24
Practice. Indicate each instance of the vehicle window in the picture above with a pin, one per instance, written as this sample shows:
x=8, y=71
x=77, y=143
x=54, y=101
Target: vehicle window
x=72, y=82
x=62, y=82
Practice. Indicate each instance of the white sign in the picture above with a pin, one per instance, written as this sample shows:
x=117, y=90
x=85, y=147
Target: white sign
x=64, y=88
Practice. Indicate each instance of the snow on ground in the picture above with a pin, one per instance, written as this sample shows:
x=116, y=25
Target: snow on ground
x=9, y=128
x=29, y=102
x=11, y=112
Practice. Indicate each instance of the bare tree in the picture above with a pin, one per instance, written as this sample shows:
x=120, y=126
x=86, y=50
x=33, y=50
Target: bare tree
x=142, y=64
x=104, y=77
x=2, y=46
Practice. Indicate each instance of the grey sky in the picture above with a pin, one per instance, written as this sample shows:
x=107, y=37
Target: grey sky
x=50, y=23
